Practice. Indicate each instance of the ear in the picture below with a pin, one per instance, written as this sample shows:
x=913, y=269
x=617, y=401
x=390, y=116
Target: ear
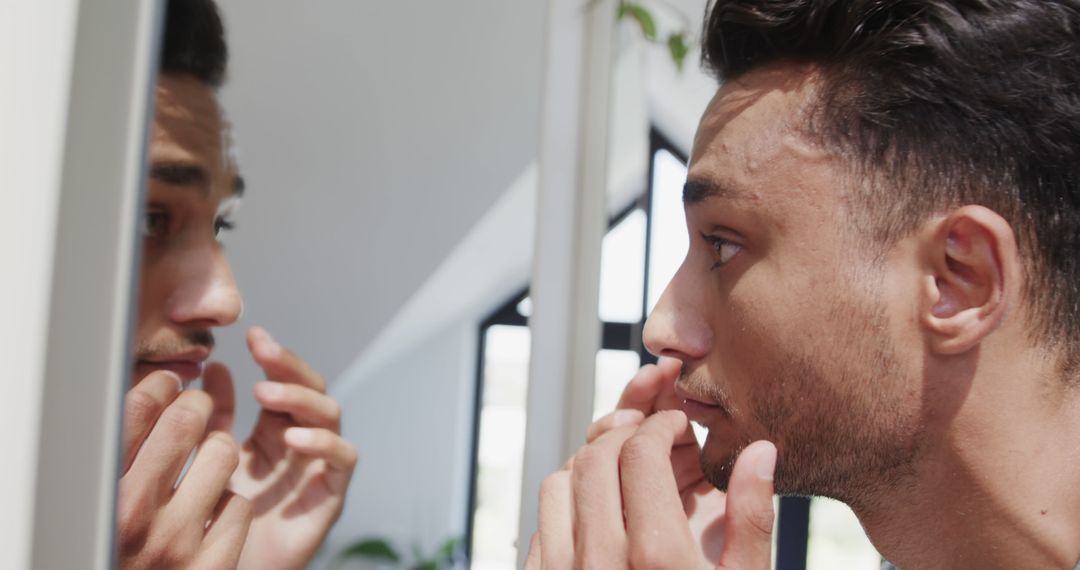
x=972, y=278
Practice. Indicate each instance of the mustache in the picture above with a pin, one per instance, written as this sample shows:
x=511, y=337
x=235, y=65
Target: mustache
x=158, y=348
x=698, y=383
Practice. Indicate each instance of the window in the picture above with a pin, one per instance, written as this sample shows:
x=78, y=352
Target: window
x=641, y=253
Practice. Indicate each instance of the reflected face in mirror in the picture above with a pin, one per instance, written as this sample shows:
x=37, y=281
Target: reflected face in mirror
x=779, y=315
x=187, y=287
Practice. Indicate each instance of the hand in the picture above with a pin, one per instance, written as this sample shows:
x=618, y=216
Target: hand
x=295, y=467
x=198, y=523
x=652, y=390
x=617, y=504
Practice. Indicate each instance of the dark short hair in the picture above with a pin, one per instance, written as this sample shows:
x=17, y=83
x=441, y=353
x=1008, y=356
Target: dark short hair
x=937, y=104
x=194, y=42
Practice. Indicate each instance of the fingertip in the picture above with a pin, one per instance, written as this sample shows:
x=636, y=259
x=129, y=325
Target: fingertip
x=675, y=417
x=299, y=437
x=175, y=378
x=216, y=372
x=257, y=333
x=668, y=361
x=765, y=462
x=626, y=417
x=261, y=344
x=267, y=390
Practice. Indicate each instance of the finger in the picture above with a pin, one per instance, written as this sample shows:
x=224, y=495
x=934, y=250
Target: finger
x=268, y=435
x=650, y=492
x=615, y=419
x=599, y=534
x=652, y=388
x=556, y=521
x=279, y=363
x=533, y=561
x=748, y=521
x=307, y=406
x=224, y=540
x=204, y=482
x=162, y=456
x=218, y=383
x=143, y=405
x=340, y=455
x=686, y=463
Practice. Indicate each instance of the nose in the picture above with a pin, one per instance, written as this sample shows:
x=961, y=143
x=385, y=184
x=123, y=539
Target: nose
x=678, y=326
x=206, y=294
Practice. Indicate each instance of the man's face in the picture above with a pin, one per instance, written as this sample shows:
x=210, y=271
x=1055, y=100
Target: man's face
x=787, y=326
x=187, y=287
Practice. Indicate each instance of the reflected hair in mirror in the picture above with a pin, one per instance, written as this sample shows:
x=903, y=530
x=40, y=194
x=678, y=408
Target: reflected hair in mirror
x=194, y=41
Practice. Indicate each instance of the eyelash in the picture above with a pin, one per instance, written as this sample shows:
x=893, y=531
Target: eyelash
x=223, y=224
x=717, y=244
x=163, y=219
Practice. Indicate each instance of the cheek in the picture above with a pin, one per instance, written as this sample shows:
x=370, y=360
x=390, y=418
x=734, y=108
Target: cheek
x=153, y=289
x=770, y=324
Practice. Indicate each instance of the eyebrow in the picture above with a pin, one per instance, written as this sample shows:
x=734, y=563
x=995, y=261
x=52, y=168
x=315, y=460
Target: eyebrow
x=191, y=176
x=696, y=191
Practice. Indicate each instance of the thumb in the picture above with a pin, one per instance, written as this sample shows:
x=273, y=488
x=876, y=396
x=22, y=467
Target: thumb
x=217, y=382
x=748, y=520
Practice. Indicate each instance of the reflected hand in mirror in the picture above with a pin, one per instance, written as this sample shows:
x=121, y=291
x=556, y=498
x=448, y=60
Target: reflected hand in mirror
x=270, y=502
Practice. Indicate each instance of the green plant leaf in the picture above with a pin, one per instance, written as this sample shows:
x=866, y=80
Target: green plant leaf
x=372, y=549
x=642, y=16
x=449, y=549
x=678, y=48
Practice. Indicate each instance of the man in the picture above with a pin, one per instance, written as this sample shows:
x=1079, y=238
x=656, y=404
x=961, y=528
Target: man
x=883, y=202
x=270, y=502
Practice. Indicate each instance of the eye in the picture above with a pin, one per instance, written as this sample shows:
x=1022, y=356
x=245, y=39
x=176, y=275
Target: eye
x=222, y=224
x=722, y=249
x=225, y=215
x=155, y=222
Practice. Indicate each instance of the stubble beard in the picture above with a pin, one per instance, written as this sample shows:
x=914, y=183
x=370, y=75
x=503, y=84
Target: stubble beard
x=840, y=423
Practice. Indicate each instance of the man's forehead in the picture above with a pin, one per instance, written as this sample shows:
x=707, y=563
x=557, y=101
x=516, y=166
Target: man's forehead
x=753, y=138
x=771, y=101
x=190, y=127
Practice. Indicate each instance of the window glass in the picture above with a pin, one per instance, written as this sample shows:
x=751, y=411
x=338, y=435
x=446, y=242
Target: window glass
x=614, y=368
x=500, y=447
x=668, y=242
x=837, y=540
x=622, y=270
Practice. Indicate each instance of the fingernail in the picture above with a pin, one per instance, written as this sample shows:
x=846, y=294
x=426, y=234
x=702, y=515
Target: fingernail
x=176, y=377
x=627, y=417
x=270, y=347
x=766, y=464
x=298, y=436
x=271, y=389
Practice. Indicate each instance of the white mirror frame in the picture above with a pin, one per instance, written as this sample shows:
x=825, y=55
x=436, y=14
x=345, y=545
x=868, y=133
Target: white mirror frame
x=74, y=115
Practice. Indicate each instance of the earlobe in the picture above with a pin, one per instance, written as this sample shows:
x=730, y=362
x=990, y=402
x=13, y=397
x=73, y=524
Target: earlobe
x=973, y=271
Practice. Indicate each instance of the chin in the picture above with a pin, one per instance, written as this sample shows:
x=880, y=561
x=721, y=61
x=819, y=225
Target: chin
x=718, y=456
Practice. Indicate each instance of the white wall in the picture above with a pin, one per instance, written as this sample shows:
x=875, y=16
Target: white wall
x=33, y=113
x=413, y=427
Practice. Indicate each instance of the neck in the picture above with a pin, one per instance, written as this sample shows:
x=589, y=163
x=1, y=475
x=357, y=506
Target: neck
x=998, y=483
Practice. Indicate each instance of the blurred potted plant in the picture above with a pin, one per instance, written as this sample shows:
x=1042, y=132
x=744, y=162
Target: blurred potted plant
x=677, y=41
x=381, y=553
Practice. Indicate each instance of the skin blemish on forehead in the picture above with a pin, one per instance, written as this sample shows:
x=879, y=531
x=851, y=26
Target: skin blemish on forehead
x=755, y=126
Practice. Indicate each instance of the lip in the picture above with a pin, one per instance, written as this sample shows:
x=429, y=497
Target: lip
x=696, y=409
x=188, y=365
